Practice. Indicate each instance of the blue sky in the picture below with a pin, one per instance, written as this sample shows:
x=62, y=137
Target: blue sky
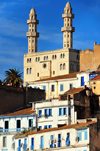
x=13, y=27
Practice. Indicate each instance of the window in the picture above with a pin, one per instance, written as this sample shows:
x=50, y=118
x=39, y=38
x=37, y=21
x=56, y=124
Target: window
x=45, y=126
x=61, y=56
x=40, y=127
x=32, y=143
x=45, y=113
x=44, y=87
x=67, y=35
x=64, y=111
x=4, y=141
x=30, y=70
x=61, y=87
x=67, y=45
x=44, y=58
x=55, y=56
x=25, y=144
x=52, y=87
x=18, y=125
x=50, y=112
x=68, y=139
x=30, y=59
x=69, y=111
x=50, y=126
x=53, y=72
x=60, y=66
x=52, y=56
x=36, y=59
x=79, y=135
x=40, y=113
x=27, y=60
x=6, y=126
x=71, y=86
x=85, y=135
x=27, y=71
x=37, y=74
x=41, y=143
x=30, y=122
x=64, y=66
x=60, y=111
x=47, y=57
x=59, y=140
x=32, y=50
x=82, y=81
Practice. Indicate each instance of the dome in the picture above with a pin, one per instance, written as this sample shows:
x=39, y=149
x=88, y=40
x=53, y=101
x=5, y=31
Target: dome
x=32, y=11
x=68, y=4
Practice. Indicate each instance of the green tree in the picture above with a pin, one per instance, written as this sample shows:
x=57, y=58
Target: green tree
x=13, y=76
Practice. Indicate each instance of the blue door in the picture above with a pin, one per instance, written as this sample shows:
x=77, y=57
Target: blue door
x=82, y=81
x=19, y=145
x=32, y=143
x=41, y=146
x=59, y=140
x=25, y=144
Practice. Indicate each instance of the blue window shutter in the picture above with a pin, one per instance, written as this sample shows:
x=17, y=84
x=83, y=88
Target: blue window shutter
x=50, y=112
x=82, y=81
x=68, y=141
x=25, y=144
x=80, y=135
x=85, y=135
x=32, y=143
x=61, y=87
x=71, y=86
x=61, y=111
x=19, y=145
x=51, y=137
x=41, y=146
x=69, y=110
x=50, y=126
x=64, y=111
x=59, y=140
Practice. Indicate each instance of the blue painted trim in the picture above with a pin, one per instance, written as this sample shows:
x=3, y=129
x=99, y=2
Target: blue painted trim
x=2, y=117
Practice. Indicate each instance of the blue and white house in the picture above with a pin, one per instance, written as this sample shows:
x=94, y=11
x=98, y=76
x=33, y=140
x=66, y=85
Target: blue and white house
x=15, y=123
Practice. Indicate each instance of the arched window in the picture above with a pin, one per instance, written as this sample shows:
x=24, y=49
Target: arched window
x=32, y=17
x=36, y=59
x=61, y=56
x=55, y=57
x=30, y=70
x=30, y=59
x=64, y=66
x=27, y=71
x=52, y=56
x=47, y=57
x=60, y=66
x=44, y=58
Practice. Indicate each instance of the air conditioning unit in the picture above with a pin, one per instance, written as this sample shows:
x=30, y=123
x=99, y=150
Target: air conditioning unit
x=77, y=139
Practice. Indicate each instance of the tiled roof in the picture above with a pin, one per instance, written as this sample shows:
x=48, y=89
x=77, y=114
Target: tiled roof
x=79, y=125
x=66, y=76
x=74, y=90
x=96, y=78
x=26, y=111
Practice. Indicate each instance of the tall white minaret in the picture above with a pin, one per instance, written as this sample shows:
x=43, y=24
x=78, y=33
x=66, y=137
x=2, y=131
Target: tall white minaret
x=68, y=29
x=32, y=34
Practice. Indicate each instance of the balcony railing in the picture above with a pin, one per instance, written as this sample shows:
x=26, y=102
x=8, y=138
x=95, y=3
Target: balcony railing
x=12, y=130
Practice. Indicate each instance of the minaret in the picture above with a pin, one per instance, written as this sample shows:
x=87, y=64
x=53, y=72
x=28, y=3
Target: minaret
x=68, y=29
x=32, y=34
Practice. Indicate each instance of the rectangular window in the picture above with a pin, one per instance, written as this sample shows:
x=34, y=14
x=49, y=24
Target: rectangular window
x=71, y=86
x=50, y=126
x=50, y=112
x=59, y=140
x=6, y=126
x=64, y=111
x=40, y=113
x=40, y=127
x=30, y=122
x=69, y=111
x=18, y=125
x=45, y=126
x=41, y=143
x=45, y=112
x=32, y=143
x=25, y=144
x=85, y=135
x=52, y=87
x=60, y=111
x=82, y=81
x=61, y=87
x=44, y=87
x=80, y=136
x=4, y=141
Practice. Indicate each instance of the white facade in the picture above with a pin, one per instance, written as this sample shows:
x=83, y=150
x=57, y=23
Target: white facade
x=11, y=125
x=78, y=139
x=54, y=112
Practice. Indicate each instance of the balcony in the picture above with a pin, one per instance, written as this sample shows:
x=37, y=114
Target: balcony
x=45, y=117
x=33, y=21
x=67, y=29
x=33, y=34
x=15, y=130
x=67, y=15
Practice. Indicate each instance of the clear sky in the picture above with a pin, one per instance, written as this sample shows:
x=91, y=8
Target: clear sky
x=13, y=27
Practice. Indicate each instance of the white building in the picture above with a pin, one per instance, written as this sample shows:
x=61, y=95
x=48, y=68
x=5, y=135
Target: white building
x=13, y=123
x=73, y=137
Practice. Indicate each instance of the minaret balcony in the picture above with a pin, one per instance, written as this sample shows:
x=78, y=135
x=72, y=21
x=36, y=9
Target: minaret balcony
x=72, y=29
x=32, y=34
x=67, y=15
x=33, y=21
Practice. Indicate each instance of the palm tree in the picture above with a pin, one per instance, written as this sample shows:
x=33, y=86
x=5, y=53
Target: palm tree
x=13, y=76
